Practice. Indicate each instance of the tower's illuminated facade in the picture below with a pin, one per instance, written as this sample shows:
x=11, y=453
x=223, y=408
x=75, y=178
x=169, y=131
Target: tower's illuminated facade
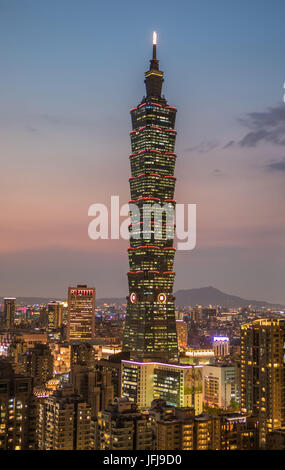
x=150, y=330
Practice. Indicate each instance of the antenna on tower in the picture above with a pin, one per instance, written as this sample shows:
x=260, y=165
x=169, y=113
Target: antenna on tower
x=154, y=43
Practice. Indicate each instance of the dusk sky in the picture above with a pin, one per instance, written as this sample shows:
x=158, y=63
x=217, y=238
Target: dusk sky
x=70, y=72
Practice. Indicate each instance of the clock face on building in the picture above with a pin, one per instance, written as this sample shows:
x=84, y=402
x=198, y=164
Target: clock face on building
x=161, y=298
x=133, y=297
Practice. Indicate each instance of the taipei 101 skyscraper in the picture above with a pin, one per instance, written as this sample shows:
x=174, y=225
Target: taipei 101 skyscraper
x=150, y=329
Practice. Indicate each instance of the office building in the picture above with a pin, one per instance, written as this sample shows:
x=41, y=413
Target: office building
x=64, y=422
x=178, y=385
x=81, y=313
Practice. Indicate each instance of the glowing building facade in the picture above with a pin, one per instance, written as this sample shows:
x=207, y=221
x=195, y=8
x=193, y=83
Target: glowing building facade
x=81, y=313
x=179, y=385
x=182, y=334
x=150, y=330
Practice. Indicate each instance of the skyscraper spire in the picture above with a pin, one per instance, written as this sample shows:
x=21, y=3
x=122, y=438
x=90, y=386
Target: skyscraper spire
x=154, y=76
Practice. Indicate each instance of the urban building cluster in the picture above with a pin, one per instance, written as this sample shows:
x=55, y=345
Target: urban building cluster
x=62, y=393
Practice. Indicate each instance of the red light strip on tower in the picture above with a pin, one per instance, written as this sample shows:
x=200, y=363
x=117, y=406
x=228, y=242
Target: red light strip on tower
x=147, y=246
x=146, y=198
x=153, y=174
x=149, y=174
x=145, y=271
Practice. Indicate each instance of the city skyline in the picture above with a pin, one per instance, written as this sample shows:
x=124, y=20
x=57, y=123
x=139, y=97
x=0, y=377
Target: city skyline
x=102, y=213
x=69, y=77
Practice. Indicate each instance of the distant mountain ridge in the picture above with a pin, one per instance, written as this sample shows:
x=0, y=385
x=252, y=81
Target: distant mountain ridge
x=211, y=295
x=200, y=296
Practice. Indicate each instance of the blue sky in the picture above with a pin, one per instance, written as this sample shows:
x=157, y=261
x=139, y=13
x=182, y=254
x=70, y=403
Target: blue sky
x=70, y=71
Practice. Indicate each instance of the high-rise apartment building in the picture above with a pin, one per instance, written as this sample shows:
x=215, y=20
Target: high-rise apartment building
x=175, y=429
x=16, y=410
x=9, y=312
x=39, y=363
x=238, y=432
x=263, y=373
x=94, y=385
x=150, y=330
x=64, y=422
x=81, y=313
x=123, y=427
